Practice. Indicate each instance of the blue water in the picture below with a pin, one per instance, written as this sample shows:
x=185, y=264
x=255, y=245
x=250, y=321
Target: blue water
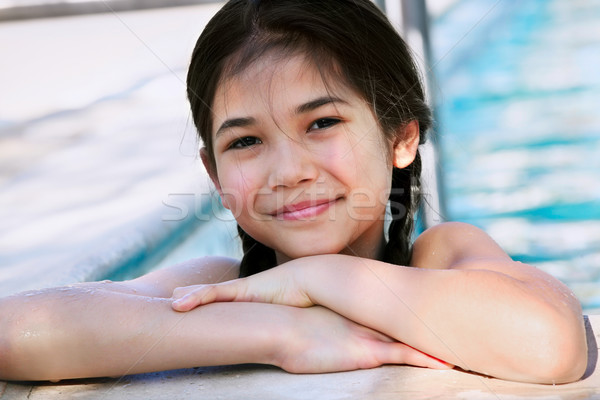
x=518, y=94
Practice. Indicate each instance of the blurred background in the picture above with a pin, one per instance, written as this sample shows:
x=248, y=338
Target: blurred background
x=95, y=138
x=518, y=101
x=99, y=175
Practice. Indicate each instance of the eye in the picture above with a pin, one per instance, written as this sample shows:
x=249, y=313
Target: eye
x=323, y=123
x=244, y=142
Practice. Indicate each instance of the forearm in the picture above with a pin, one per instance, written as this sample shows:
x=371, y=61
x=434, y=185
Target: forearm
x=77, y=333
x=480, y=320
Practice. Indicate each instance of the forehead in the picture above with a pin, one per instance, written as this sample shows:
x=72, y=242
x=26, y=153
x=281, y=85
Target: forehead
x=274, y=83
x=282, y=65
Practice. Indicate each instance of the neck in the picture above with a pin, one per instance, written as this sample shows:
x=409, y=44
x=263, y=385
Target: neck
x=370, y=245
x=372, y=251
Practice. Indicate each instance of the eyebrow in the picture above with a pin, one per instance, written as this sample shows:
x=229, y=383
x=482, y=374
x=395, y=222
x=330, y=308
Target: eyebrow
x=301, y=109
x=314, y=104
x=235, y=123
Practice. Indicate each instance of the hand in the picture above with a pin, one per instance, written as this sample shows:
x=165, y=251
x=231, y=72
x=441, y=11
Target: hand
x=278, y=285
x=323, y=341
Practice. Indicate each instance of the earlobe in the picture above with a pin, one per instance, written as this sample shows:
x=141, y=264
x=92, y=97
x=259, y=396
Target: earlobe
x=406, y=145
x=212, y=174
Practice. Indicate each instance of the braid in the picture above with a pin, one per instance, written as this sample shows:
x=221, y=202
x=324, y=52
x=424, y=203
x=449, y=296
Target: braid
x=257, y=256
x=404, y=199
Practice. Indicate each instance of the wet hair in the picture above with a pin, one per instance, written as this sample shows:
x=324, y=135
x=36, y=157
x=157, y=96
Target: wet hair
x=348, y=39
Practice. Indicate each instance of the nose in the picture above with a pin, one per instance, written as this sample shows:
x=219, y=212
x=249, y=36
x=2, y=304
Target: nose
x=292, y=164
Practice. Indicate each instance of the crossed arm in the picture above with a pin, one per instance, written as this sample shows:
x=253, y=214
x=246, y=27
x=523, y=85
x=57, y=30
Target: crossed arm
x=473, y=307
x=118, y=328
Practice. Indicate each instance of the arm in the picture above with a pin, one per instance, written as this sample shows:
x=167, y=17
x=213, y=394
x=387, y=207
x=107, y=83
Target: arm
x=478, y=319
x=106, y=328
x=118, y=328
x=162, y=282
x=473, y=307
x=111, y=334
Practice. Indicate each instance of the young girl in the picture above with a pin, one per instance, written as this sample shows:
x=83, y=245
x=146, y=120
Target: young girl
x=311, y=113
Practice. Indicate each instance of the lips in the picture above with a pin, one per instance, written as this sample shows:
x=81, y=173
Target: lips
x=304, y=210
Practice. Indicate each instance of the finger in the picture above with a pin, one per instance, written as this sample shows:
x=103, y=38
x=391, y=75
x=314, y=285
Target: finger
x=205, y=294
x=400, y=353
x=179, y=292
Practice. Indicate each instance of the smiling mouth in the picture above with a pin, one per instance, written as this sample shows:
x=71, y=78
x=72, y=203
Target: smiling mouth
x=305, y=210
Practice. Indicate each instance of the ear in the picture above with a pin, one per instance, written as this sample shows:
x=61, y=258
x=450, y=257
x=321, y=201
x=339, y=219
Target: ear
x=212, y=173
x=406, y=145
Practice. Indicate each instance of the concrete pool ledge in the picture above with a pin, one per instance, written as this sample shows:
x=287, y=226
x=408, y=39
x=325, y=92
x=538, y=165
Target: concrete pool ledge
x=263, y=382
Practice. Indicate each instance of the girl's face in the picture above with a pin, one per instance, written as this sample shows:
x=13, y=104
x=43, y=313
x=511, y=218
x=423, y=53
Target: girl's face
x=303, y=166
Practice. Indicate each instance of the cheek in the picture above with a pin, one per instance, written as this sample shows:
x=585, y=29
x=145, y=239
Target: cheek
x=365, y=164
x=337, y=157
x=237, y=189
x=371, y=181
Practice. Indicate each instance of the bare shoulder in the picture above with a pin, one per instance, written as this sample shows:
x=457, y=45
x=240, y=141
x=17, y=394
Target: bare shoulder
x=445, y=245
x=196, y=271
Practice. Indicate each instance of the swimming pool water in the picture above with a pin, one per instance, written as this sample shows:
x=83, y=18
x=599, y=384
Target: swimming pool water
x=518, y=98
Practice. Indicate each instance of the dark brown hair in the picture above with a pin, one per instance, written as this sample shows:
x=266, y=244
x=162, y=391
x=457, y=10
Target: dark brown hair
x=351, y=39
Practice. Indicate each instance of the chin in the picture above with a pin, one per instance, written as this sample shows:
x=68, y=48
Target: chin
x=313, y=251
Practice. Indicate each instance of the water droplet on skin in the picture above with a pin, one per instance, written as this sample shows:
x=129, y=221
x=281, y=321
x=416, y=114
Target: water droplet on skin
x=26, y=334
